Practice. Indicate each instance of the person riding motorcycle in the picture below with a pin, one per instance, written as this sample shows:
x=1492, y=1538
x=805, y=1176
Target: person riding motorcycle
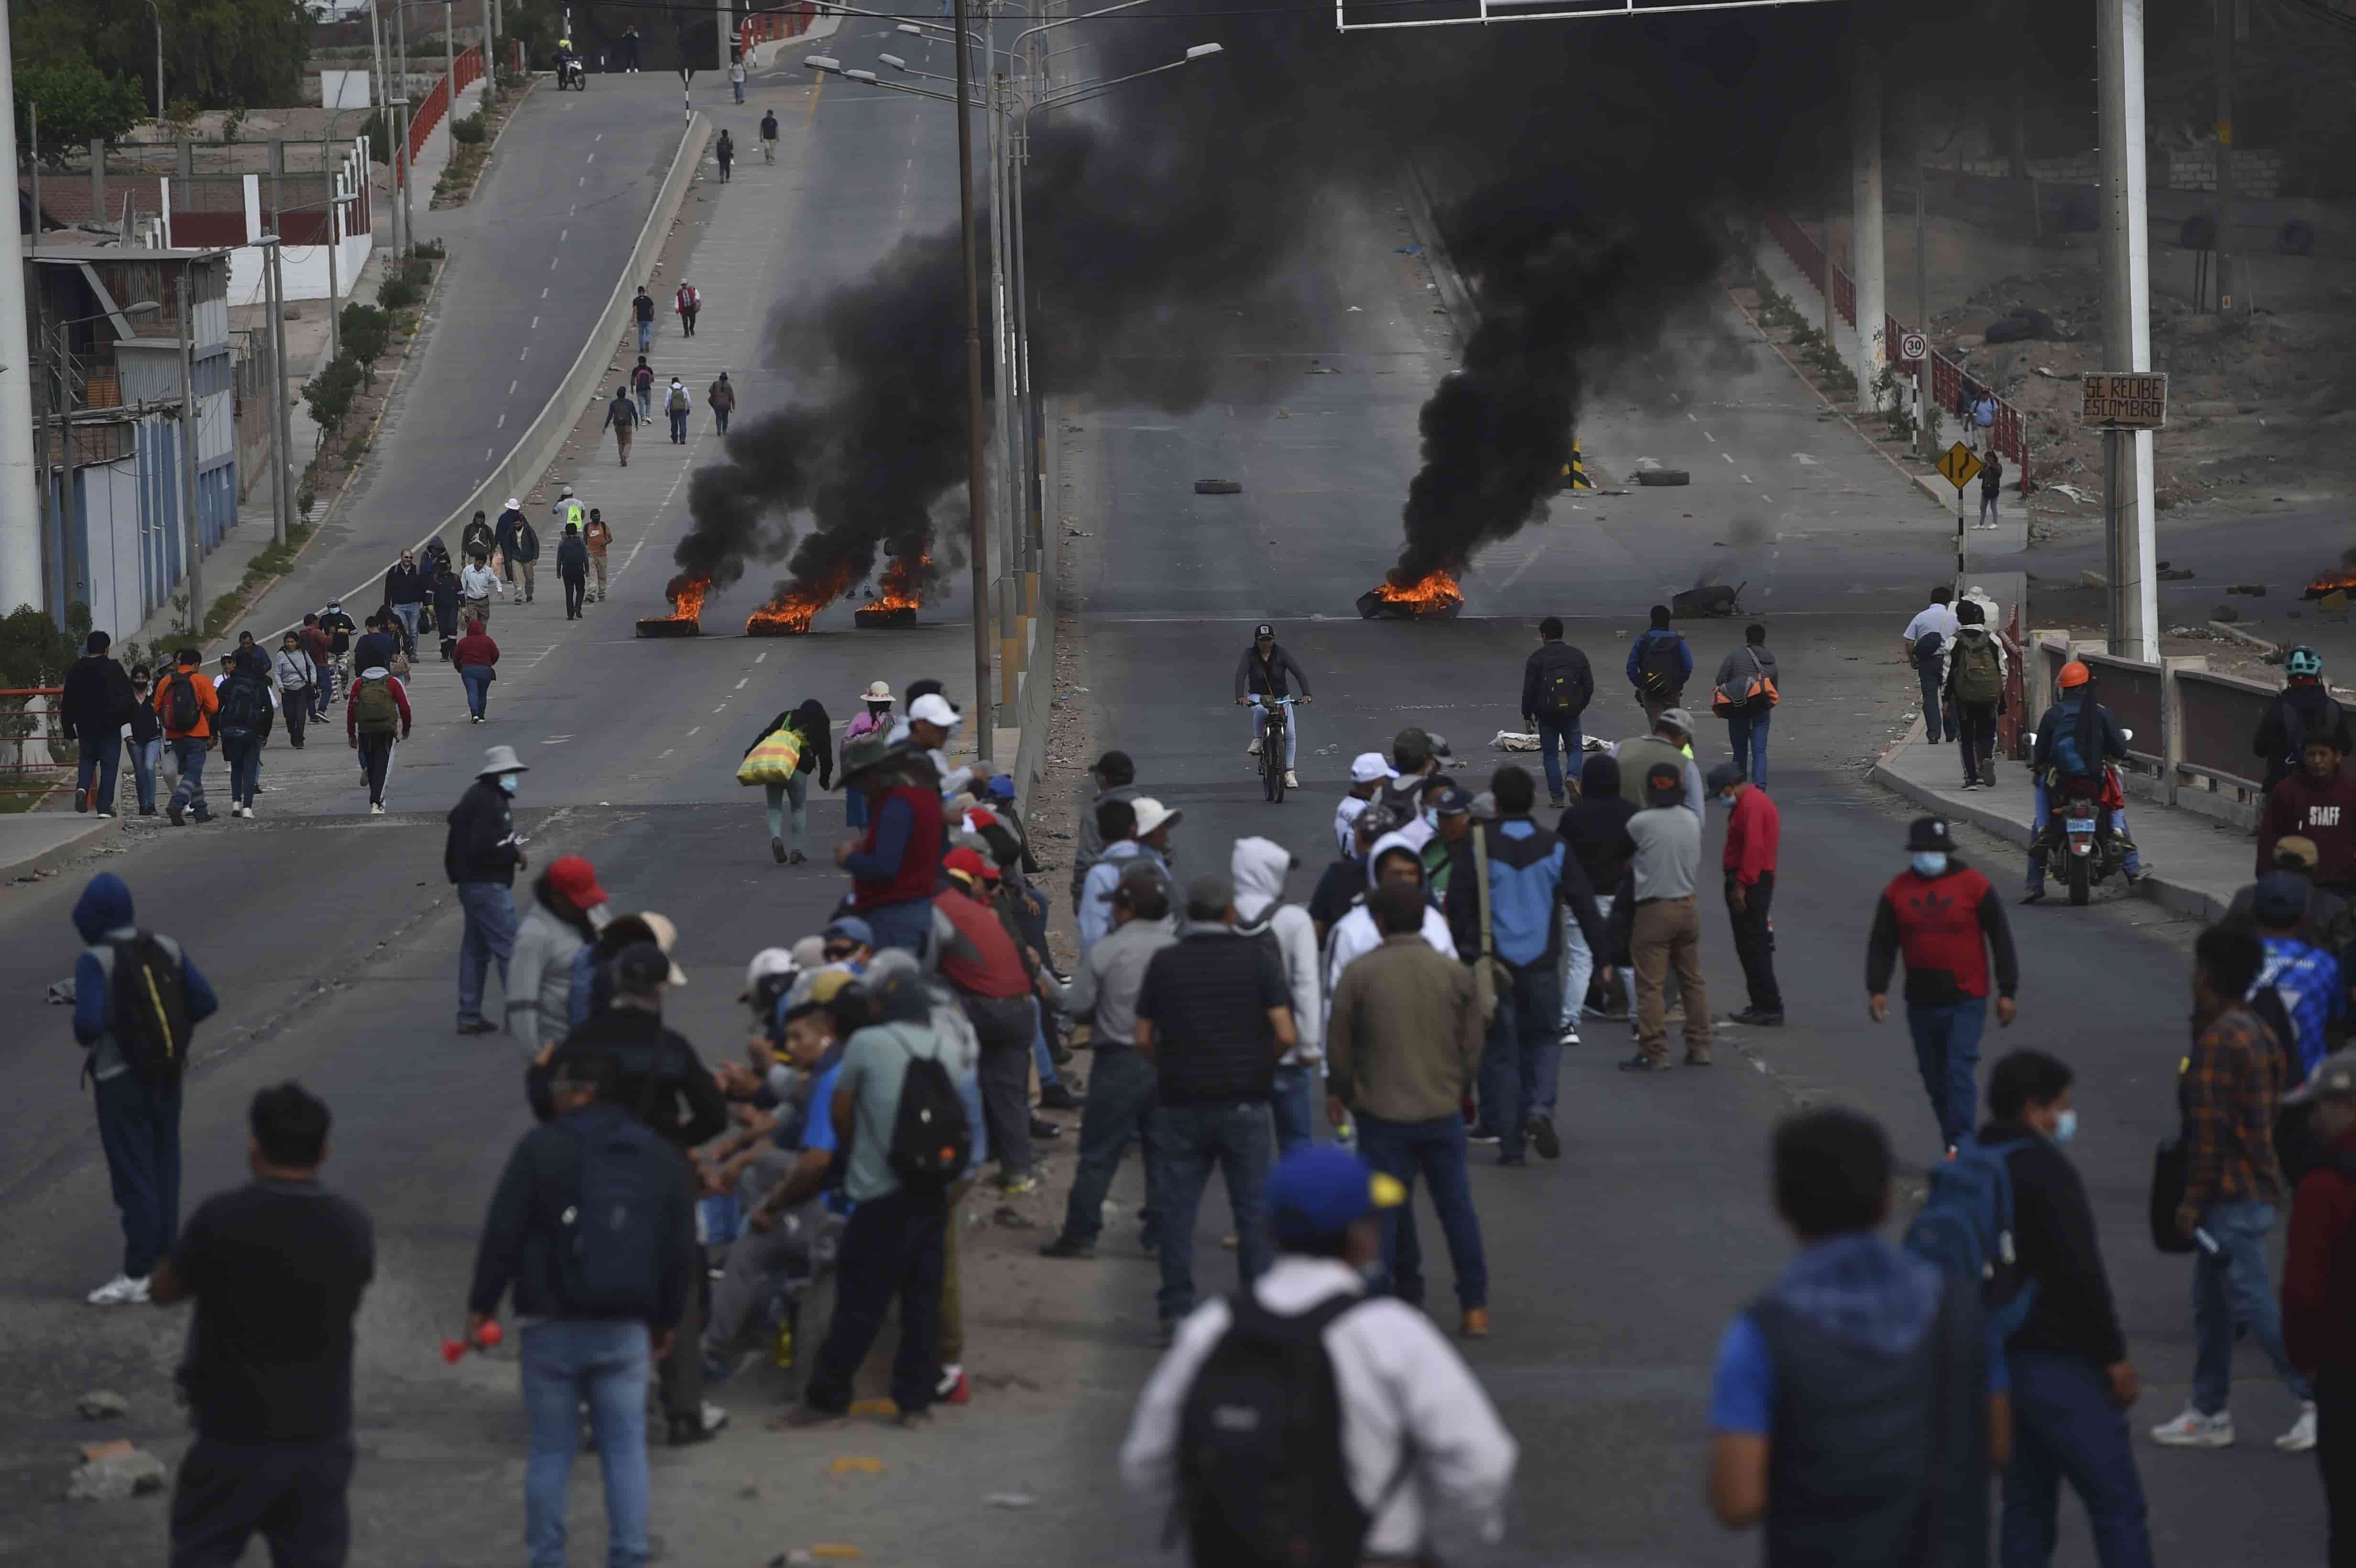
x=2304, y=707
x=568, y=64
x=1262, y=672
x=2078, y=738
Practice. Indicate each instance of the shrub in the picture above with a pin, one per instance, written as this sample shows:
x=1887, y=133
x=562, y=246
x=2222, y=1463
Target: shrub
x=396, y=292
x=469, y=131
x=366, y=331
x=330, y=392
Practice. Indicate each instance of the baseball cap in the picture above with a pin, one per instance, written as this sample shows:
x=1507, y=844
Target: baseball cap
x=1454, y=801
x=1368, y=766
x=962, y=862
x=766, y=964
x=933, y=708
x=850, y=928
x=1928, y=833
x=1263, y=630
x=817, y=989
x=2335, y=1074
x=667, y=938
x=1001, y=787
x=641, y=967
x=2280, y=899
x=1723, y=775
x=572, y=876
x=1676, y=717
x=2299, y=847
x=1321, y=1190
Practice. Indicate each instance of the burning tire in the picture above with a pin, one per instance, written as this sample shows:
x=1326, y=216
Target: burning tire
x=669, y=626
x=1659, y=476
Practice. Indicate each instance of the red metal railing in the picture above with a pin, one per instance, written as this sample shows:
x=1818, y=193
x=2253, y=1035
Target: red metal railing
x=1947, y=377
x=34, y=752
x=468, y=69
x=764, y=27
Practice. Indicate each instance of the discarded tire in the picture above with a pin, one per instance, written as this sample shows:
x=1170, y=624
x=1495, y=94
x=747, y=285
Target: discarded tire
x=1659, y=476
x=2295, y=238
x=1218, y=488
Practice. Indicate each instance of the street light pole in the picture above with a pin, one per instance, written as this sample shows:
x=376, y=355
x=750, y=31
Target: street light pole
x=159, y=59
x=282, y=499
x=976, y=478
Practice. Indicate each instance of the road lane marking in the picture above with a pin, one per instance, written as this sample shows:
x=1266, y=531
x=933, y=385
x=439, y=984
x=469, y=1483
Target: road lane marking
x=556, y=740
x=511, y=387
x=1764, y=497
x=562, y=235
x=666, y=752
x=744, y=683
x=1712, y=440
x=722, y=709
x=693, y=733
x=1746, y=478
x=503, y=421
x=1728, y=455
x=764, y=658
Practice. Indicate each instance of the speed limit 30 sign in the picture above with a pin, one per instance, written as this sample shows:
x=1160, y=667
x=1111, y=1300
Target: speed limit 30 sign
x=1912, y=347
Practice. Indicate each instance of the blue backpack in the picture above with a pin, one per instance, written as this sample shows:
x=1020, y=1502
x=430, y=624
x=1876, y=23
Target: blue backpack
x=2068, y=759
x=1965, y=1228
x=616, y=1245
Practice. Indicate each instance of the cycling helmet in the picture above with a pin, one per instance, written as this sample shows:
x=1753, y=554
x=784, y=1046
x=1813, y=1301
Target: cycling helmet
x=2303, y=660
x=2072, y=674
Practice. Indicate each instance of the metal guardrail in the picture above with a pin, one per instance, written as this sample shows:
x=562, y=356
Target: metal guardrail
x=2219, y=718
x=34, y=752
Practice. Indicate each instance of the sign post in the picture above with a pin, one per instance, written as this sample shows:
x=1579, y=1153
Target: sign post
x=1959, y=467
x=2118, y=403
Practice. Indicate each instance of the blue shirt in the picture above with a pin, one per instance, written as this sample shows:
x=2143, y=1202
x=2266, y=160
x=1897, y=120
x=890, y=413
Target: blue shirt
x=2307, y=978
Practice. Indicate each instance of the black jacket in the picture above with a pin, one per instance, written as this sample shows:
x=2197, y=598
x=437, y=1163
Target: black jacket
x=1550, y=660
x=526, y=1226
x=2100, y=740
x=2053, y=1229
x=445, y=602
x=482, y=846
x=1595, y=828
x=97, y=700
x=662, y=1081
x=2304, y=710
x=1266, y=676
x=524, y=541
x=339, y=628
x=571, y=556
x=478, y=540
x=404, y=584
x=374, y=649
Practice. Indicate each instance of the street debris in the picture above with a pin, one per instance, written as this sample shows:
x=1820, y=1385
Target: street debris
x=102, y=1405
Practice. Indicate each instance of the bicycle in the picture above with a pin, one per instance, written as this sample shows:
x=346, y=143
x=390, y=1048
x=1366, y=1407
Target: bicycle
x=1272, y=766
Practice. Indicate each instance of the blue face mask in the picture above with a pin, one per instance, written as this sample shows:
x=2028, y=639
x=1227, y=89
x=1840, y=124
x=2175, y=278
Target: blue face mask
x=508, y=782
x=1431, y=817
x=1928, y=862
x=2065, y=1126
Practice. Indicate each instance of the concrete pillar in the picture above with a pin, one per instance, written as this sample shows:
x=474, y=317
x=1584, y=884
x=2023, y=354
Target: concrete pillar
x=2127, y=311
x=1867, y=270
x=98, y=180
x=20, y=507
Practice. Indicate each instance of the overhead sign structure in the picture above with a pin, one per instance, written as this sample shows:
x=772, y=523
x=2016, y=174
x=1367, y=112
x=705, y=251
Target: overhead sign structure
x=1958, y=466
x=2124, y=400
x=1355, y=15
x=1912, y=348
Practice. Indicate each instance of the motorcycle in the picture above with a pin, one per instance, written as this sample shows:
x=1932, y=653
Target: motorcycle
x=2079, y=847
x=568, y=74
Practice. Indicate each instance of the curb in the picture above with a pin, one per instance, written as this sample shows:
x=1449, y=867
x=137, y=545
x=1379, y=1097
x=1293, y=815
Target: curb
x=530, y=86
x=57, y=856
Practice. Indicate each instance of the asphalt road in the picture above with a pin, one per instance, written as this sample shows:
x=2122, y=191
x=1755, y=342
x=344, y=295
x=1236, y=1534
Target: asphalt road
x=332, y=937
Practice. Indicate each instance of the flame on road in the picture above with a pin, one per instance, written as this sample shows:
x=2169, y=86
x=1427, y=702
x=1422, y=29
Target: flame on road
x=791, y=612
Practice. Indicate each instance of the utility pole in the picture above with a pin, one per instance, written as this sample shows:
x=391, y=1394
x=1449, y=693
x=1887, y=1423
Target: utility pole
x=404, y=237
x=282, y=499
x=1922, y=292
x=20, y=531
x=2224, y=51
x=1866, y=247
x=450, y=68
x=2127, y=322
x=189, y=532
x=1009, y=634
x=977, y=478
x=383, y=99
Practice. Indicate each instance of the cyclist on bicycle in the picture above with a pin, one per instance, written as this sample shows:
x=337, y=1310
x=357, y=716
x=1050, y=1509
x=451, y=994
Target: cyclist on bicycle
x=1262, y=673
x=769, y=137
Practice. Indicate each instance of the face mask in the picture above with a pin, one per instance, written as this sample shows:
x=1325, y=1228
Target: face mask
x=508, y=782
x=1431, y=817
x=1928, y=862
x=2065, y=1126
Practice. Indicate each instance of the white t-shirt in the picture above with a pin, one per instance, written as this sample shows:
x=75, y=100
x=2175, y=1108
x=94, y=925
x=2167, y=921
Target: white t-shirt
x=1937, y=618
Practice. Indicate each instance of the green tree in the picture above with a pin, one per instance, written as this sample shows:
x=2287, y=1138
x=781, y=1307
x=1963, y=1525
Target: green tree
x=76, y=101
x=365, y=332
x=330, y=393
x=221, y=53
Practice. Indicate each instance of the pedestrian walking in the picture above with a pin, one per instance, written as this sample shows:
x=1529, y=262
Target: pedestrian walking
x=315, y=641
x=339, y=630
x=1943, y=918
x=1112, y=777
x=2071, y=1381
x=143, y=739
x=724, y=152
x=1214, y=1016
x=2305, y=707
x=593, y=1320
x=243, y=724
x=404, y=590
x=1133, y=829
x=598, y=537
x=622, y=416
x=642, y=386
x=1991, y=487
x=94, y=705
x=291, y=669
x=1983, y=428
x=1659, y=665
x=377, y=645
x=769, y=136
x=1405, y=1045
x=689, y=302
x=276, y=1269
x=1556, y=686
x=476, y=658
x=476, y=584
x=1975, y=669
x=722, y=397
x=1852, y=1409
x=978, y=959
x=1352, y=1454
x=477, y=539
x=874, y=717
x=503, y=535
x=1594, y=830
x=1258, y=867
x=376, y=721
x=2318, y=803
x=1924, y=640
x=2317, y=1294
x=1754, y=835
x=798, y=742
x=2230, y=1094
x=1663, y=847
x=573, y=571
x=1745, y=694
x=569, y=909
x=523, y=553
x=895, y=865
x=737, y=81
x=185, y=701
x=676, y=405
x=481, y=855
x=138, y=997
x=642, y=311
x=449, y=594
x=1669, y=743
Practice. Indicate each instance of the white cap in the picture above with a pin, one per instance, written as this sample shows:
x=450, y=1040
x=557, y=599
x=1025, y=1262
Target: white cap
x=513, y=504
x=1370, y=766
x=767, y=961
x=1151, y=813
x=933, y=709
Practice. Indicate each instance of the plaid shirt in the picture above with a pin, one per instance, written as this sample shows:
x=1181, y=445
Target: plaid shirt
x=2231, y=1089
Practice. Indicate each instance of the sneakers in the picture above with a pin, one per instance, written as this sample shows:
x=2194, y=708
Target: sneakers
x=2191, y=1429
x=1291, y=779
x=1014, y=1184
x=1757, y=1017
x=247, y=810
x=1252, y=750
x=1476, y=1323
x=1570, y=1035
x=1640, y=1063
x=1542, y=1137
x=124, y=1291
x=778, y=850
x=1554, y=803
x=376, y=808
x=1481, y=1136
x=480, y=1026
x=1066, y=1247
x=1059, y=1097
x=81, y=800
x=177, y=813
x=804, y=1418
x=953, y=1389
x=1044, y=1130
x=2034, y=896
x=701, y=1427
x=2300, y=1438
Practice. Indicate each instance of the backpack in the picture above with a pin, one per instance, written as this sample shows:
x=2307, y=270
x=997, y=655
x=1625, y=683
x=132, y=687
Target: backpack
x=1745, y=691
x=614, y=1243
x=643, y=377
x=1658, y=666
x=1965, y=1226
x=1980, y=673
x=244, y=705
x=1558, y=691
x=183, y=711
x=375, y=711
x=1262, y=1480
x=2067, y=759
x=932, y=1142
x=147, y=1012
x=677, y=402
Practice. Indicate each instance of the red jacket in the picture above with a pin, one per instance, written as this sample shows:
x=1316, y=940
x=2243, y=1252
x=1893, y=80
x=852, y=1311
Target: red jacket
x=352, y=711
x=1754, y=831
x=2326, y=812
x=1946, y=926
x=2318, y=1288
x=983, y=960
x=474, y=649
x=917, y=874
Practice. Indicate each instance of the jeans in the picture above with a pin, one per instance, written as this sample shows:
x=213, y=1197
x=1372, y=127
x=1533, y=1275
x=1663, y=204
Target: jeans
x=796, y=789
x=1523, y=1057
x=1754, y=941
x=2064, y=1427
x=1577, y=971
x=576, y=588
x=1947, y=1053
x=489, y=934
x=189, y=750
x=739, y=93
x=854, y=809
x=243, y=753
x=139, y=1128
x=102, y=765
x=2335, y=1455
x=1558, y=738
x=1234, y=1135
x=646, y=395
x=605, y=1365
x=1746, y=736
x=477, y=678
x=678, y=425
x=761, y=1264
x=1004, y=1026
x=1044, y=1059
x=1988, y=508
x=719, y=419
x=907, y=924
x=407, y=615
x=1435, y=1150
x=146, y=757
x=1293, y=1107
x=293, y=1494
x=295, y=707
x=1976, y=738
x=1119, y=1106
x=646, y=341
x=891, y=1247
x=2043, y=819
x=1291, y=729
x=2231, y=1295
x=1926, y=667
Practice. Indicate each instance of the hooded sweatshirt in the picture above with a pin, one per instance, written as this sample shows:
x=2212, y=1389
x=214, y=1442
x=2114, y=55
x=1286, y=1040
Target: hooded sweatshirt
x=1357, y=932
x=1594, y=826
x=1258, y=867
x=102, y=915
x=2325, y=812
